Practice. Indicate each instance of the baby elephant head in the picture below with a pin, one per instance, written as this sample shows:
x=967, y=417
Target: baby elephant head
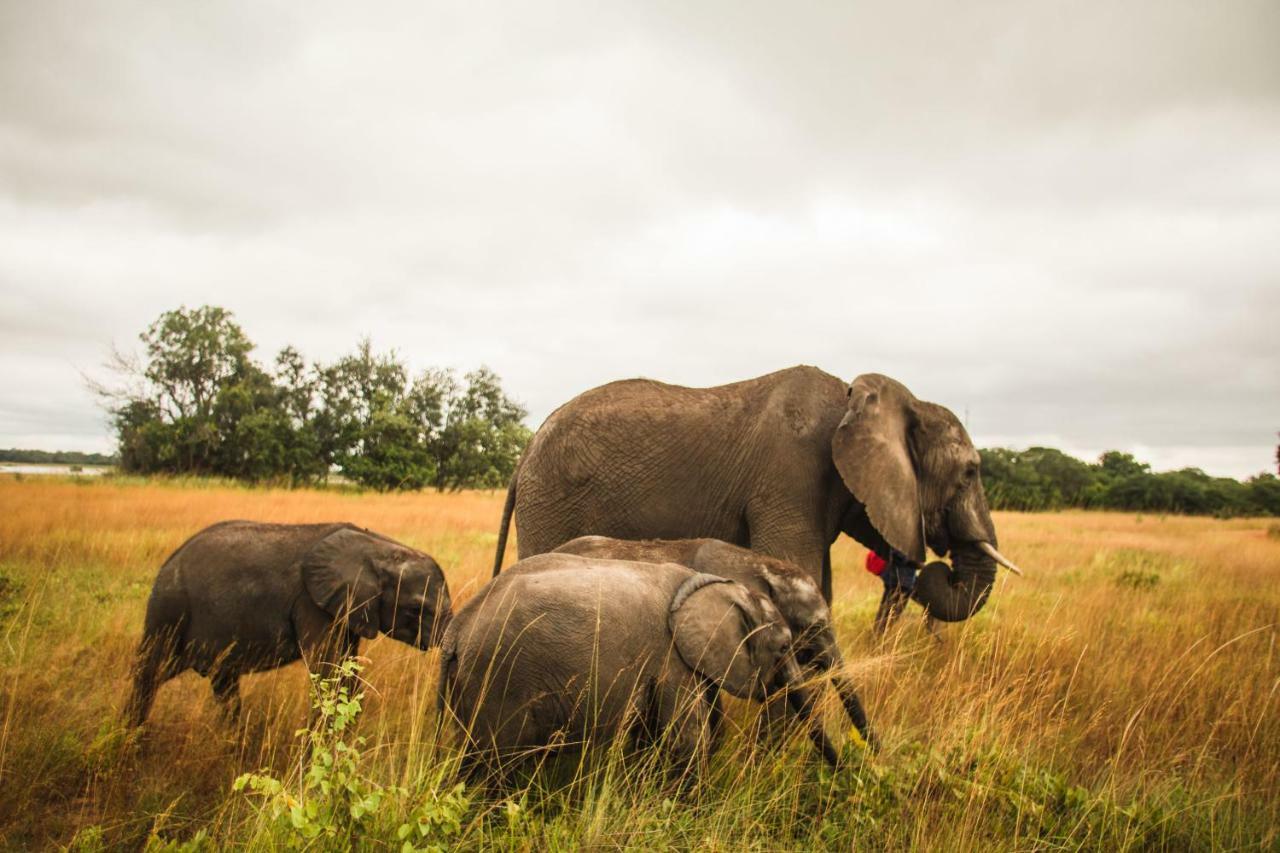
x=378, y=585
x=731, y=636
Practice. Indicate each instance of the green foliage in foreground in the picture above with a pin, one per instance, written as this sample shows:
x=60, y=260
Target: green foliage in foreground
x=1041, y=478
x=198, y=403
x=334, y=804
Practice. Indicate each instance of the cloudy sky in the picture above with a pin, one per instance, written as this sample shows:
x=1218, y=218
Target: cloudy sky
x=1061, y=219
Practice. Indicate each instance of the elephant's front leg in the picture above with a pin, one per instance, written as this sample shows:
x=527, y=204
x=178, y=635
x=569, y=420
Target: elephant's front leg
x=691, y=731
x=788, y=535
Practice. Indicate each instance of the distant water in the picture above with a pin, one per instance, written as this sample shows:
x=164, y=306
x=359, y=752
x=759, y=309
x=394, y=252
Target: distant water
x=63, y=470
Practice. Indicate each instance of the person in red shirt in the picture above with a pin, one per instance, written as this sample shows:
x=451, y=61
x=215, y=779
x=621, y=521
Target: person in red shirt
x=899, y=576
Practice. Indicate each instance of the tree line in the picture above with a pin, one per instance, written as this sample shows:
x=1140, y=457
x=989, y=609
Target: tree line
x=197, y=402
x=55, y=457
x=1042, y=478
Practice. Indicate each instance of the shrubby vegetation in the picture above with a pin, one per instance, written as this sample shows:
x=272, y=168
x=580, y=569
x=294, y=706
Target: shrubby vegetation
x=198, y=403
x=1042, y=478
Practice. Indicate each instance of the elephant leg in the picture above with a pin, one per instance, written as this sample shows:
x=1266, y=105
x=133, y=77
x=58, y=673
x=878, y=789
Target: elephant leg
x=690, y=736
x=155, y=664
x=892, y=603
x=226, y=689
x=826, y=576
x=775, y=718
x=788, y=536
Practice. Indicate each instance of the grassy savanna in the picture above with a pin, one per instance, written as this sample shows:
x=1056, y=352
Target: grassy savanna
x=1123, y=695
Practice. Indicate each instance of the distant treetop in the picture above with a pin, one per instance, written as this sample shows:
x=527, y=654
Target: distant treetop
x=56, y=457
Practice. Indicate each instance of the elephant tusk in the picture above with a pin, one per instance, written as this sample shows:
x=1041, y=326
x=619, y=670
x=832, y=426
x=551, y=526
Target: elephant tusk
x=985, y=547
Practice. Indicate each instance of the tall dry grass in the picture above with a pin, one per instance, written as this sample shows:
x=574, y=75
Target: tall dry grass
x=1123, y=694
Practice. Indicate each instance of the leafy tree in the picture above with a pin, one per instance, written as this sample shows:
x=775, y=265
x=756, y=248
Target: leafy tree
x=1114, y=465
x=199, y=404
x=191, y=355
x=482, y=435
x=389, y=433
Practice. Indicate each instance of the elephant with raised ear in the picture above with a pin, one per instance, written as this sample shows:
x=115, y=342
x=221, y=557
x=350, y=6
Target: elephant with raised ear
x=781, y=464
x=563, y=651
x=244, y=596
x=792, y=592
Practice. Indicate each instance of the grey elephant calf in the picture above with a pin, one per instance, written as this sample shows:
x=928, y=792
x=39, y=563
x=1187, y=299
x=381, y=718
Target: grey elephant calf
x=562, y=650
x=242, y=596
x=795, y=595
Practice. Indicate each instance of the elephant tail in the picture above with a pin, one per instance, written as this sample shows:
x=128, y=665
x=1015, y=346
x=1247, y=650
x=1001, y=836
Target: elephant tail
x=507, y=510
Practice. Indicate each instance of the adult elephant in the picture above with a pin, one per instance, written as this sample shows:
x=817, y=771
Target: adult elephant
x=781, y=464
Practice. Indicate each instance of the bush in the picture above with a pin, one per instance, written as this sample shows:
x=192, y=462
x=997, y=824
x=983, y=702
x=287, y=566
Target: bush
x=333, y=804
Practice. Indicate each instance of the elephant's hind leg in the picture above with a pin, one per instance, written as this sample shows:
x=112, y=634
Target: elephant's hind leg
x=226, y=689
x=156, y=662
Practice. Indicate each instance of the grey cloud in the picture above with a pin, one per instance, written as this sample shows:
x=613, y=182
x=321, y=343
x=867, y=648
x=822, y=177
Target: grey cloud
x=1058, y=217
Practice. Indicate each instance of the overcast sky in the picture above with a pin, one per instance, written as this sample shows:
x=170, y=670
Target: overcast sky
x=1061, y=219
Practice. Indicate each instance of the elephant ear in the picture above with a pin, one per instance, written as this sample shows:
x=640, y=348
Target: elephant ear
x=871, y=449
x=341, y=580
x=710, y=620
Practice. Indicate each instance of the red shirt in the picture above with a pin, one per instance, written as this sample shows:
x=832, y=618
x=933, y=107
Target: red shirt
x=875, y=565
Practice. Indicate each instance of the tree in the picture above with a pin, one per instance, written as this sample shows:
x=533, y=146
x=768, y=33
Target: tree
x=482, y=436
x=197, y=403
x=1115, y=465
x=166, y=423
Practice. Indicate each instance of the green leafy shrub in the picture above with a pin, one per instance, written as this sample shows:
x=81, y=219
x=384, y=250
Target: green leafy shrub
x=333, y=803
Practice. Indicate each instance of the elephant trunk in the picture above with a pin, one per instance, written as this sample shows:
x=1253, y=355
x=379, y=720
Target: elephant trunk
x=953, y=594
x=834, y=663
x=800, y=699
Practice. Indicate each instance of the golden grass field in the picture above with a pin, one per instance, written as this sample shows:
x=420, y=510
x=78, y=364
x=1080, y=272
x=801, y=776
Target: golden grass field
x=1124, y=694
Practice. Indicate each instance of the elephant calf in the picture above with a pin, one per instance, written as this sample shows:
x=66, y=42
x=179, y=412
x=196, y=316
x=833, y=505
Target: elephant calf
x=243, y=596
x=562, y=650
x=790, y=589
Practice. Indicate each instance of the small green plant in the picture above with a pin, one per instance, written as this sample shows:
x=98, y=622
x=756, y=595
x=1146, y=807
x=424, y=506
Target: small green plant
x=333, y=802
x=10, y=589
x=1137, y=579
x=436, y=820
x=198, y=843
x=90, y=839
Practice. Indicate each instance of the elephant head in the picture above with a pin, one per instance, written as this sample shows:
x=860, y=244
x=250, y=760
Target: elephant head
x=800, y=603
x=738, y=640
x=378, y=586
x=914, y=474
